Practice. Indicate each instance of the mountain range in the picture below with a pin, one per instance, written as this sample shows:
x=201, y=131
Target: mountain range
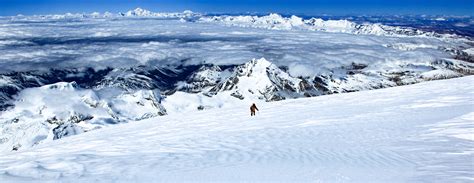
x=41, y=105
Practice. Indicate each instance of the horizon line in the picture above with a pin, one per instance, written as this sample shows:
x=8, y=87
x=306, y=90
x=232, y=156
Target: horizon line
x=241, y=13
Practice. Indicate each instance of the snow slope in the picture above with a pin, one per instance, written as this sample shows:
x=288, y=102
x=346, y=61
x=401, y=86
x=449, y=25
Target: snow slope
x=62, y=109
x=104, y=98
x=415, y=133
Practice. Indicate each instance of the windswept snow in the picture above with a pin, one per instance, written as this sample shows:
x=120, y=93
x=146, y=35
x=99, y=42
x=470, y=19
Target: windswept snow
x=62, y=75
x=110, y=96
x=149, y=58
x=415, y=133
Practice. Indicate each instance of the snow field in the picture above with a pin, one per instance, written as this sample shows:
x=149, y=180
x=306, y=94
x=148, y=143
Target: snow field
x=421, y=132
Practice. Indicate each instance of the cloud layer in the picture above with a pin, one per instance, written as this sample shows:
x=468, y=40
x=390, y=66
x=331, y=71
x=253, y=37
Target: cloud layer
x=125, y=42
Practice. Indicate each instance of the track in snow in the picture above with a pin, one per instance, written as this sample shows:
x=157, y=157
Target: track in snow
x=421, y=132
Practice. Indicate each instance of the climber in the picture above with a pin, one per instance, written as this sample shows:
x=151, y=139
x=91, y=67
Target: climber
x=252, y=109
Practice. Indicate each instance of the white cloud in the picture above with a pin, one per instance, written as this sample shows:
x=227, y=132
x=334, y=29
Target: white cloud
x=127, y=42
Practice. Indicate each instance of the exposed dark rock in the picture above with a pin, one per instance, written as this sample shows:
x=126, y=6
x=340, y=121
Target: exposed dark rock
x=16, y=147
x=237, y=95
x=66, y=129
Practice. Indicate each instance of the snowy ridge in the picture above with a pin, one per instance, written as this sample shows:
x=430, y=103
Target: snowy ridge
x=123, y=95
x=124, y=68
x=277, y=22
x=138, y=12
x=259, y=79
x=271, y=21
x=63, y=109
x=420, y=133
x=262, y=80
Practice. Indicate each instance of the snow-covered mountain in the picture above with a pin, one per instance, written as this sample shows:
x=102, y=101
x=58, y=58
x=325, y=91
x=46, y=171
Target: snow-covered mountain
x=62, y=75
x=261, y=79
x=270, y=21
x=276, y=21
x=139, y=12
x=62, y=109
x=256, y=79
x=420, y=133
x=110, y=96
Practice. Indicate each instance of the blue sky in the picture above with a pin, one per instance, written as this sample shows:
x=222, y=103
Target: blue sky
x=310, y=7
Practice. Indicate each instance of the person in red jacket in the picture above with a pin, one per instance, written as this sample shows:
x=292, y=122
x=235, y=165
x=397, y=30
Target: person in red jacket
x=252, y=109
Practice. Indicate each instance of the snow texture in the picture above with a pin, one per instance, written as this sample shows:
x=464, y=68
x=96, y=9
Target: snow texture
x=137, y=59
x=63, y=109
x=63, y=75
x=415, y=133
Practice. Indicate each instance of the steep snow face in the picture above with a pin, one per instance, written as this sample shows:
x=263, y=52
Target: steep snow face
x=260, y=79
x=415, y=133
x=63, y=109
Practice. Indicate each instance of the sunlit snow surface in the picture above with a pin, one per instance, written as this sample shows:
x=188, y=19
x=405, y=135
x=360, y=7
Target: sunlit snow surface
x=28, y=43
x=416, y=133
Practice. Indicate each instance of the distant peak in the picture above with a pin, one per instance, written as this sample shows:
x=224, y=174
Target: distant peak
x=261, y=61
x=138, y=9
x=276, y=15
x=255, y=66
x=188, y=12
x=62, y=86
x=139, y=12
